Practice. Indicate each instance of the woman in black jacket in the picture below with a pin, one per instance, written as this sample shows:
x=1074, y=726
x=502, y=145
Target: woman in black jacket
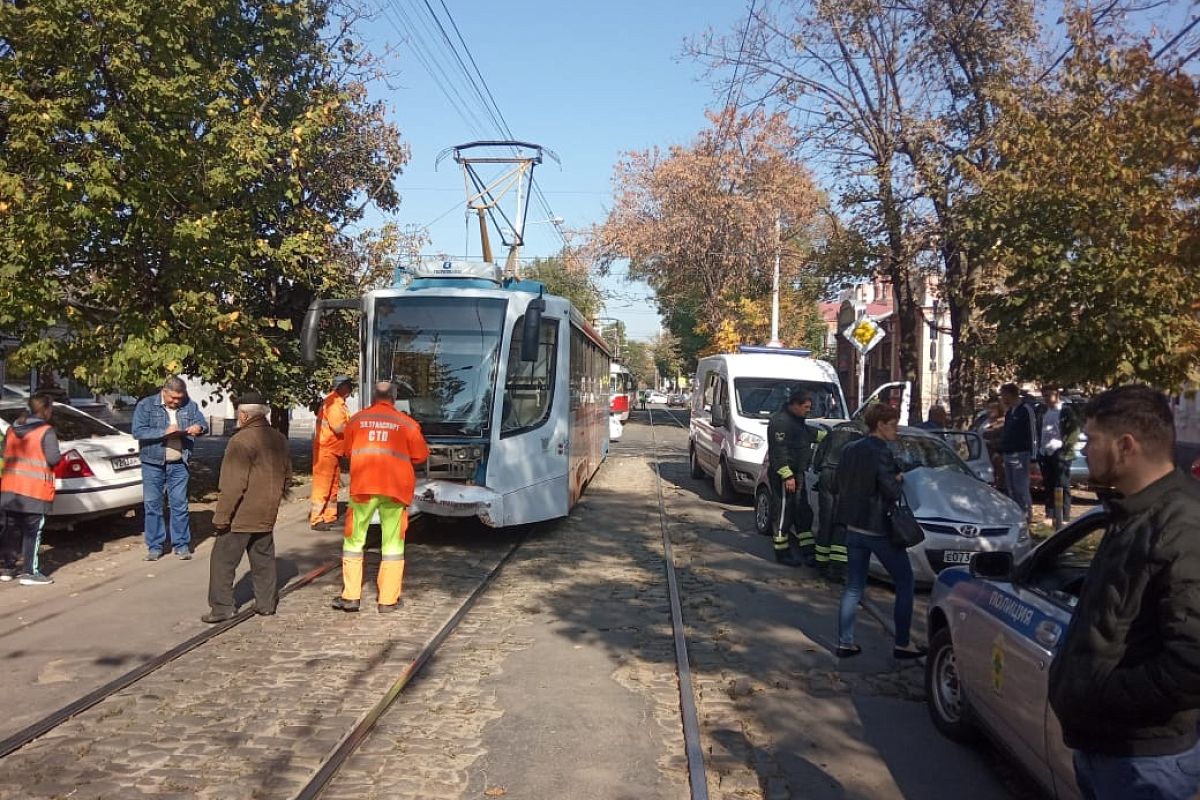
x=868, y=484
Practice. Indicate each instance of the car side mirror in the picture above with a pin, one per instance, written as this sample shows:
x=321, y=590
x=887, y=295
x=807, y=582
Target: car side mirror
x=995, y=566
x=718, y=415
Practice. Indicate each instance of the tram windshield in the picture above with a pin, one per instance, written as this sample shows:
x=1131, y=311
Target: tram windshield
x=442, y=354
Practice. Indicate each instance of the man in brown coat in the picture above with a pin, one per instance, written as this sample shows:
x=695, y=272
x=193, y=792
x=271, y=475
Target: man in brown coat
x=255, y=475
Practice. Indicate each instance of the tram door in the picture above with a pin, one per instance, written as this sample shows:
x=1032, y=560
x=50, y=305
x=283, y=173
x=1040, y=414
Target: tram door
x=533, y=451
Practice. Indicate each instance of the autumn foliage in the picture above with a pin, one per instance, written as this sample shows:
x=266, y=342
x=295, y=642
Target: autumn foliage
x=699, y=224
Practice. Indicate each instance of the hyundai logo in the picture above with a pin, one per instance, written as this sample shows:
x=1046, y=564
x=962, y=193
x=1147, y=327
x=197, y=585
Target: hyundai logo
x=969, y=531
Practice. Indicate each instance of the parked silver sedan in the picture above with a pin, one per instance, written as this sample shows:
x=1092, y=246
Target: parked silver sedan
x=960, y=514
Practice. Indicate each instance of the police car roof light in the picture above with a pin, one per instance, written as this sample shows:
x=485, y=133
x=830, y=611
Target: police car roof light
x=785, y=351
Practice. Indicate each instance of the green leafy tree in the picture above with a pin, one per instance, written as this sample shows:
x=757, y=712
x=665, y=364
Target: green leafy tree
x=566, y=275
x=178, y=182
x=1090, y=228
x=639, y=360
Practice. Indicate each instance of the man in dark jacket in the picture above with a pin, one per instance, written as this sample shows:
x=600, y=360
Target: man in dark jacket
x=789, y=451
x=1018, y=443
x=1126, y=680
x=27, y=490
x=255, y=475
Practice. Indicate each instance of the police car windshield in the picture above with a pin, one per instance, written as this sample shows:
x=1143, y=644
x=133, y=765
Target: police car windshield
x=762, y=397
x=442, y=354
x=925, y=451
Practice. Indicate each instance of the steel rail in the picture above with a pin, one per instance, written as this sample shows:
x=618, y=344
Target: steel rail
x=697, y=775
x=355, y=737
x=48, y=723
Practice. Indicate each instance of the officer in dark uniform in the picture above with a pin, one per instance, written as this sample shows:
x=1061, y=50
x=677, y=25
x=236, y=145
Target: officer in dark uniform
x=789, y=451
x=832, y=556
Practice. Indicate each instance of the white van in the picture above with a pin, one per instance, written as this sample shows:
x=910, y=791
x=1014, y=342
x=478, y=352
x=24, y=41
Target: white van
x=735, y=395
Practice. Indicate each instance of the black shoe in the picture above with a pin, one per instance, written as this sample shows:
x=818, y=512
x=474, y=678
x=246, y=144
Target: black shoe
x=786, y=558
x=212, y=618
x=324, y=526
x=382, y=609
x=900, y=653
x=342, y=604
x=848, y=651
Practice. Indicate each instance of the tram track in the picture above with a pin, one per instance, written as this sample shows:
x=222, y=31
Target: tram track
x=46, y=724
x=329, y=768
x=697, y=774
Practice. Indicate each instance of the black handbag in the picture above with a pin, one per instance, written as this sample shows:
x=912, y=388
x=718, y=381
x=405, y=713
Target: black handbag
x=903, y=529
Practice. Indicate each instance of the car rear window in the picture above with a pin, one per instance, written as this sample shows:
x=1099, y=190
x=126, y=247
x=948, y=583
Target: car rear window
x=69, y=424
x=925, y=451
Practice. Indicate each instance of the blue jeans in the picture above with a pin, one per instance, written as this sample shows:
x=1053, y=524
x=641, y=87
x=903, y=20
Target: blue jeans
x=1103, y=777
x=895, y=561
x=173, y=478
x=1016, y=479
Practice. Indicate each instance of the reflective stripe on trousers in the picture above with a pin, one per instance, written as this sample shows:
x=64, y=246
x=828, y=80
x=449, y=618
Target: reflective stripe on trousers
x=393, y=519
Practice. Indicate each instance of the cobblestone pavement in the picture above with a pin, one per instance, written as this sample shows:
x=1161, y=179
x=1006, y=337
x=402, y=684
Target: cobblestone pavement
x=250, y=714
x=593, y=581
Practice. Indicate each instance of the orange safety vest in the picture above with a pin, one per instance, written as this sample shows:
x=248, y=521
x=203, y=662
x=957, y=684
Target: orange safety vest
x=333, y=412
x=383, y=445
x=26, y=471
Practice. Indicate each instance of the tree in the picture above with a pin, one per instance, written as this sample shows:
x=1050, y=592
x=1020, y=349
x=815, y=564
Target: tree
x=177, y=184
x=566, y=275
x=639, y=360
x=892, y=98
x=699, y=223
x=668, y=364
x=1091, y=226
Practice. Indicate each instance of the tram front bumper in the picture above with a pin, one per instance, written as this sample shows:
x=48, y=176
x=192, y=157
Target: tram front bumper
x=449, y=499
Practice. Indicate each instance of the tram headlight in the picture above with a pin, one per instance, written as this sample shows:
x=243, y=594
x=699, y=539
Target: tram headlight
x=749, y=440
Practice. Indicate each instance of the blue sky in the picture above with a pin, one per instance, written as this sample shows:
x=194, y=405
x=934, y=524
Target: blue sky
x=586, y=80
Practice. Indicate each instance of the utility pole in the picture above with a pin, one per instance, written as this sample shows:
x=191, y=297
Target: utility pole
x=775, y=283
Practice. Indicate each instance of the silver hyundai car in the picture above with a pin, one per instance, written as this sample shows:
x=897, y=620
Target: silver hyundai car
x=959, y=512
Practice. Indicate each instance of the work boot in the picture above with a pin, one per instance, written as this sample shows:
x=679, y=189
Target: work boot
x=342, y=604
x=382, y=609
x=835, y=573
x=212, y=617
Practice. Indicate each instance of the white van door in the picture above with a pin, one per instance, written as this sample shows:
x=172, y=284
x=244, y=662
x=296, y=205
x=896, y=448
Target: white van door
x=888, y=390
x=705, y=449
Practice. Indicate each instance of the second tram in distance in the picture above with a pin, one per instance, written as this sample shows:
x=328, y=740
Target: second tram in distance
x=623, y=391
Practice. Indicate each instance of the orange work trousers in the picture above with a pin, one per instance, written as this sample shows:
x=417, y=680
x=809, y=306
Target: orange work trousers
x=326, y=480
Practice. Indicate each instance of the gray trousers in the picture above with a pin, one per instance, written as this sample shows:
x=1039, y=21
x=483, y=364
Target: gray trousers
x=228, y=549
x=1016, y=479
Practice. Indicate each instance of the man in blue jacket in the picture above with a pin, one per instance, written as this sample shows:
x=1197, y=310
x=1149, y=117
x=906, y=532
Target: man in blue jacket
x=165, y=425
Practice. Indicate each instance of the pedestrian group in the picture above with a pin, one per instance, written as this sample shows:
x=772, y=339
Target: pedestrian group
x=382, y=443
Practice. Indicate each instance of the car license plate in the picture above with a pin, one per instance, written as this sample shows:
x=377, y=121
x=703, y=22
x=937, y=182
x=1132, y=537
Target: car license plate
x=956, y=557
x=126, y=462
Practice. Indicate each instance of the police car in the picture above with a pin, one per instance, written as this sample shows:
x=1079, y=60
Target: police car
x=994, y=628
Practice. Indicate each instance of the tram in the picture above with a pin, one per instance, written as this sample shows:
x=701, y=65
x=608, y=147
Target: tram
x=623, y=391
x=510, y=385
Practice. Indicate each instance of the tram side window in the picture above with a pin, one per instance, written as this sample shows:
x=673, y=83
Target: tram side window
x=529, y=386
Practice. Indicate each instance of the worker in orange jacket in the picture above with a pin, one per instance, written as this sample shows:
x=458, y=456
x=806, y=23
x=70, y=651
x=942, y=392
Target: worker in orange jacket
x=384, y=444
x=27, y=490
x=329, y=446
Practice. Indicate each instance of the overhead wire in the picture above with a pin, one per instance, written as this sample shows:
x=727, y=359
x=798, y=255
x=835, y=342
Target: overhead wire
x=488, y=100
